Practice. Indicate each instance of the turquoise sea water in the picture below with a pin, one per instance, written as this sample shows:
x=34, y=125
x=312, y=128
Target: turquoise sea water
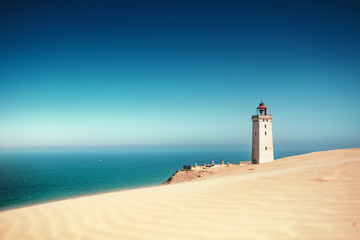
x=34, y=176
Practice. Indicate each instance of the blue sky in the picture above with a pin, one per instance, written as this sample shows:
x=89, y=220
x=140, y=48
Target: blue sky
x=178, y=73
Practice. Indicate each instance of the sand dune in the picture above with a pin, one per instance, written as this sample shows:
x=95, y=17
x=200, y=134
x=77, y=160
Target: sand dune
x=311, y=196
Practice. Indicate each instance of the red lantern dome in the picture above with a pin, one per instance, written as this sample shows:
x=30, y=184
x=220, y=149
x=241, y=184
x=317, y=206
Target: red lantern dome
x=262, y=109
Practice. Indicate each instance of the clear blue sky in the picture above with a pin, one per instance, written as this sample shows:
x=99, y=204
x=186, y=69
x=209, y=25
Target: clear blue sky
x=178, y=73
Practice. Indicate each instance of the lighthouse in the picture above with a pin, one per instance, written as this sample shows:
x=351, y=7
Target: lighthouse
x=262, y=139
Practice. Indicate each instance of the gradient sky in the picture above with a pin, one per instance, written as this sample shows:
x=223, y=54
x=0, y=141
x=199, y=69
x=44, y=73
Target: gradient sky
x=178, y=73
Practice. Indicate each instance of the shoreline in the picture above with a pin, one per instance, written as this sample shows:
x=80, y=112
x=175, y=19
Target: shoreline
x=114, y=191
x=313, y=195
x=76, y=197
x=155, y=185
x=32, y=178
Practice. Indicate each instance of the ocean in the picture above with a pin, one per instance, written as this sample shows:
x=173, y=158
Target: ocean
x=30, y=176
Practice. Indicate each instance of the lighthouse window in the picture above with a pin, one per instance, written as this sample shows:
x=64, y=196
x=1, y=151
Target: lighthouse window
x=265, y=125
x=265, y=133
x=265, y=148
x=255, y=133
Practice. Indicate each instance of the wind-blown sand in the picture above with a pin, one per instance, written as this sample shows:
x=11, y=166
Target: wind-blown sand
x=311, y=196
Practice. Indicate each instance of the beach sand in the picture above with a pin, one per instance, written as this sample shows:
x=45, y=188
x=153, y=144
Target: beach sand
x=311, y=196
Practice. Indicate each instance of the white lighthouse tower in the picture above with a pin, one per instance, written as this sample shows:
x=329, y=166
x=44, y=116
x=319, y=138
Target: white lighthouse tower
x=262, y=139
